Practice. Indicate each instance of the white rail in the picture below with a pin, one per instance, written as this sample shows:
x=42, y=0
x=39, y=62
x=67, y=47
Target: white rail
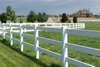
x=64, y=43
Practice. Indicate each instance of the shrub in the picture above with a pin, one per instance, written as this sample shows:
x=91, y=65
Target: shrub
x=3, y=18
x=69, y=21
x=75, y=19
x=21, y=21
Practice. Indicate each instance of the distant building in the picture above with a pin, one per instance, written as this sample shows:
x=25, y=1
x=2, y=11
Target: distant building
x=83, y=13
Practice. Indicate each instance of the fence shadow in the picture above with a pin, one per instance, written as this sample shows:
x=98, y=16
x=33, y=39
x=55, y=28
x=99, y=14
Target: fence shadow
x=33, y=58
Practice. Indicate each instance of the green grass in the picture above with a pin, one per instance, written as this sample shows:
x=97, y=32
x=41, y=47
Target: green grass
x=45, y=60
x=23, y=18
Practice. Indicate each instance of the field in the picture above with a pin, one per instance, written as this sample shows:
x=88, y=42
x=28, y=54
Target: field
x=11, y=56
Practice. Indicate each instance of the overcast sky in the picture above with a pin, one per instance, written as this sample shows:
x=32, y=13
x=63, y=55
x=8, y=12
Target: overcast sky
x=55, y=7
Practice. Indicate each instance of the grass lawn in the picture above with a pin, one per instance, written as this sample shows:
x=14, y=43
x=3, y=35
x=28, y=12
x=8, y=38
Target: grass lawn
x=23, y=18
x=11, y=56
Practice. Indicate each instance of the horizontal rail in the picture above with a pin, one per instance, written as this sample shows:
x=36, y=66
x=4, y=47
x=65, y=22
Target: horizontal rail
x=50, y=53
x=7, y=31
x=29, y=36
x=83, y=49
x=78, y=63
x=59, y=43
x=16, y=40
x=29, y=45
x=49, y=29
x=15, y=33
x=29, y=27
x=6, y=25
x=7, y=37
x=15, y=26
x=1, y=34
x=84, y=32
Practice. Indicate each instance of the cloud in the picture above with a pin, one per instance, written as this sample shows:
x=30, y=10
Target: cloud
x=55, y=7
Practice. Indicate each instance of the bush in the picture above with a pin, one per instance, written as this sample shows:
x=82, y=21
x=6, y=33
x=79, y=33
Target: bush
x=69, y=21
x=75, y=19
x=3, y=18
x=21, y=21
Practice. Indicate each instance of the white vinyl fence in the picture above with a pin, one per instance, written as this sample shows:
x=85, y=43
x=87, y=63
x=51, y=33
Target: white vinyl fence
x=53, y=25
x=88, y=20
x=64, y=43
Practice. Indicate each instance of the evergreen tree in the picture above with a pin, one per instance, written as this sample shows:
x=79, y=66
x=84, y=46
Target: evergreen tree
x=3, y=18
x=31, y=17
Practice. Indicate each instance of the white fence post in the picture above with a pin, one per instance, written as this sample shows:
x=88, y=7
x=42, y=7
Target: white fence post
x=25, y=28
x=21, y=38
x=11, y=35
x=64, y=49
x=36, y=42
x=3, y=31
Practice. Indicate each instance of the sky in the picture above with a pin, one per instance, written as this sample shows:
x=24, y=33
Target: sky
x=54, y=7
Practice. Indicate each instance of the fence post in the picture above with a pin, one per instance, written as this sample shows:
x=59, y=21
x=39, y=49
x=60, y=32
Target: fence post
x=25, y=28
x=64, y=49
x=36, y=42
x=3, y=31
x=21, y=38
x=11, y=35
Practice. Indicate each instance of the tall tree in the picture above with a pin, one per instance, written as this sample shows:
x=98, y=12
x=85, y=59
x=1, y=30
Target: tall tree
x=3, y=18
x=13, y=16
x=31, y=17
x=9, y=12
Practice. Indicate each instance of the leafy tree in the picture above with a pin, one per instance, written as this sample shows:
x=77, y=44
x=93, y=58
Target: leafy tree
x=40, y=17
x=3, y=18
x=31, y=17
x=13, y=17
x=9, y=12
x=45, y=17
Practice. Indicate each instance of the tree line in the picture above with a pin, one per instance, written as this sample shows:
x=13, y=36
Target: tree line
x=31, y=17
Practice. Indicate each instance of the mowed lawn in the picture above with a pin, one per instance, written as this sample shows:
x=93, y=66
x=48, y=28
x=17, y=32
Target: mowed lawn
x=11, y=56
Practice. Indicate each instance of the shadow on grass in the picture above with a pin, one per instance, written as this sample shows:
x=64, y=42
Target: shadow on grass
x=33, y=58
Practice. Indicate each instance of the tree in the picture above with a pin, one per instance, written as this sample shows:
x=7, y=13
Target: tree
x=64, y=18
x=45, y=17
x=9, y=12
x=40, y=17
x=75, y=19
x=3, y=18
x=13, y=17
x=31, y=17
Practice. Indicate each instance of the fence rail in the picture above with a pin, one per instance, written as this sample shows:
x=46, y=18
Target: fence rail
x=88, y=20
x=64, y=43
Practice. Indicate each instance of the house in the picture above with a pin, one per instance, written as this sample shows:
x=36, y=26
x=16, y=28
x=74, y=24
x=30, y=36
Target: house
x=83, y=13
